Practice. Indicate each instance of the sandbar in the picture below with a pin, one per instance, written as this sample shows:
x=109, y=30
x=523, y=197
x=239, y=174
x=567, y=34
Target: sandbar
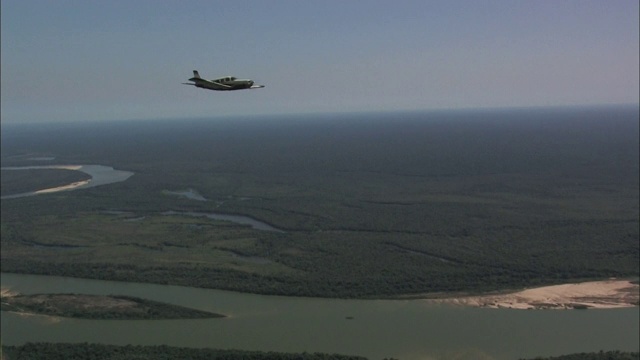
x=606, y=294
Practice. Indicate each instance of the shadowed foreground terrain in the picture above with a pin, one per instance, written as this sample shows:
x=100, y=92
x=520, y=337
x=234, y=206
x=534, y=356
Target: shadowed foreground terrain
x=51, y=351
x=369, y=205
x=602, y=355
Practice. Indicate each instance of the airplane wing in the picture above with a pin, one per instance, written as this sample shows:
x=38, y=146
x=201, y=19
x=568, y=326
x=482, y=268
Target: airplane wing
x=219, y=84
x=208, y=84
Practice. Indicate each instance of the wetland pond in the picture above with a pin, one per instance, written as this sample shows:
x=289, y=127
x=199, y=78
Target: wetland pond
x=403, y=329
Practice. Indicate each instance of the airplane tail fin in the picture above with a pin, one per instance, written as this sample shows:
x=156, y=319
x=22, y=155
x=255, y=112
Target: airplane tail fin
x=195, y=74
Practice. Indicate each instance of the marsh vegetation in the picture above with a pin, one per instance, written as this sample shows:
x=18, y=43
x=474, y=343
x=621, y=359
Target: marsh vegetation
x=106, y=307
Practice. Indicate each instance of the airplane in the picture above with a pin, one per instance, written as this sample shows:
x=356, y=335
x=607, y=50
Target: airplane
x=222, y=84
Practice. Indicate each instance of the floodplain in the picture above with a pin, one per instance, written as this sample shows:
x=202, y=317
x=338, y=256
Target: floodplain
x=390, y=205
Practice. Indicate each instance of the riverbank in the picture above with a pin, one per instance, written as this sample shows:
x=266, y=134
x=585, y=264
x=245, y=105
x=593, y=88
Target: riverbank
x=607, y=294
x=90, y=176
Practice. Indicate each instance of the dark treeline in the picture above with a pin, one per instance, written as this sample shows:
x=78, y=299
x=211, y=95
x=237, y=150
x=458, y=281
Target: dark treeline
x=83, y=351
x=602, y=355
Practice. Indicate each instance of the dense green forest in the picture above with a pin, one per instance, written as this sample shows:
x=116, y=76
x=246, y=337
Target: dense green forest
x=83, y=351
x=369, y=205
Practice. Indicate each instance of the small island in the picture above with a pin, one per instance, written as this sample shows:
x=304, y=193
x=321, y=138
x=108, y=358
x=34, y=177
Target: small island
x=96, y=307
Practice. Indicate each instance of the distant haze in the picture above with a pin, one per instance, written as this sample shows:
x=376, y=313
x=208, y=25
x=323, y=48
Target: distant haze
x=109, y=60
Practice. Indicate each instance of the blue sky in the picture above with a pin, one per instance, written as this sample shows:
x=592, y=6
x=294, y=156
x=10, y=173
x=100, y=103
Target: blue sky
x=122, y=59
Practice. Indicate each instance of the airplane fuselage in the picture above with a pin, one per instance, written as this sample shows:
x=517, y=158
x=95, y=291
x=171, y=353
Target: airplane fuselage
x=226, y=83
x=231, y=83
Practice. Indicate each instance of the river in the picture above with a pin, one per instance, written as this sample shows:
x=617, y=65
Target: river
x=100, y=175
x=103, y=175
x=404, y=329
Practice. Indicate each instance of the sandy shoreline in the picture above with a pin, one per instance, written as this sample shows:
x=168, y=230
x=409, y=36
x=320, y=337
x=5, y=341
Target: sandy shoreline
x=607, y=294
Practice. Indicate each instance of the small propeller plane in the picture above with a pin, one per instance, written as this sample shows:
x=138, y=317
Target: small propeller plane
x=222, y=84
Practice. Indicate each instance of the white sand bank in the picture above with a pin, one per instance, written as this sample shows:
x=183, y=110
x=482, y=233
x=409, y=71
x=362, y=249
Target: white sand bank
x=595, y=294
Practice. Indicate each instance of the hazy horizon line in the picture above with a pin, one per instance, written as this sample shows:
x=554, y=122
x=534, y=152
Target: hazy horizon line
x=328, y=113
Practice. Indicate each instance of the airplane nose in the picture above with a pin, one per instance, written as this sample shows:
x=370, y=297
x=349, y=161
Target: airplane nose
x=250, y=83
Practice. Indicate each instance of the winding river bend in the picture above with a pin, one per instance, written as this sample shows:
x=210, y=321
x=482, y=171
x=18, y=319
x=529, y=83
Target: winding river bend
x=103, y=175
x=404, y=329
x=100, y=175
